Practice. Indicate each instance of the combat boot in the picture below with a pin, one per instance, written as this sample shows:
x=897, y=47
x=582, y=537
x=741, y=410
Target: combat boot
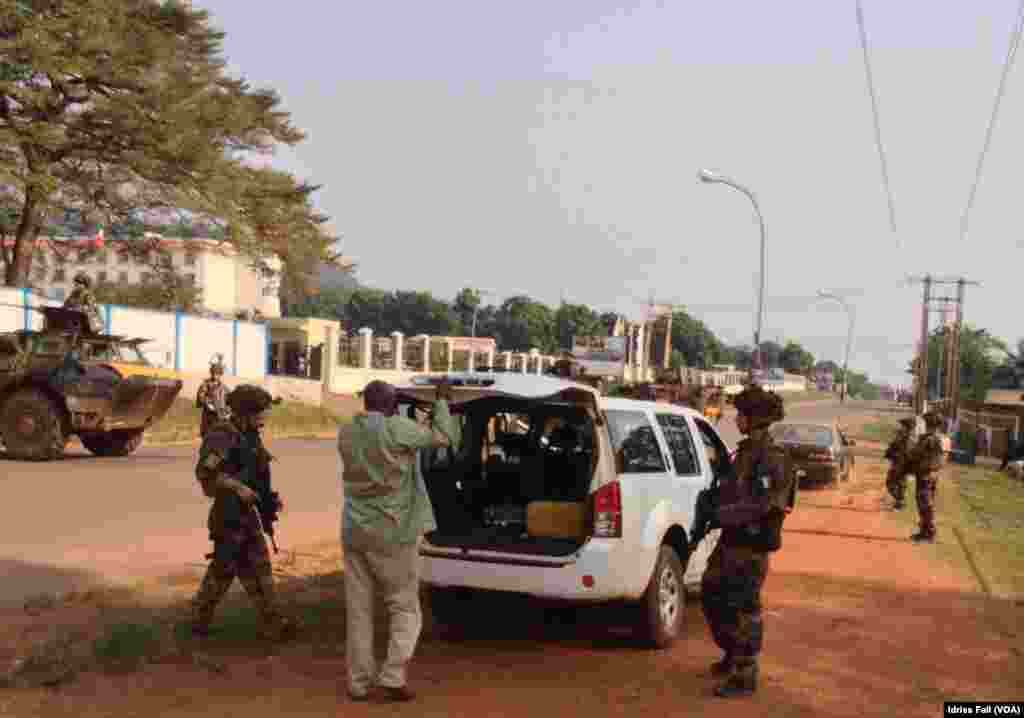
x=276, y=626
x=724, y=667
x=742, y=682
x=923, y=537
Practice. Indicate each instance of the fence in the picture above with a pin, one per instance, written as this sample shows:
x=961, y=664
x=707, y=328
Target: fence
x=178, y=341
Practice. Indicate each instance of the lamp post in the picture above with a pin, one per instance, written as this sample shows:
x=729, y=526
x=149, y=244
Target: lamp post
x=849, y=338
x=711, y=178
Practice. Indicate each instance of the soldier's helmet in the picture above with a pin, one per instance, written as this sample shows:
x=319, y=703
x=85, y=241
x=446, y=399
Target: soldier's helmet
x=82, y=280
x=249, y=400
x=217, y=365
x=762, y=407
x=932, y=419
x=908, y=422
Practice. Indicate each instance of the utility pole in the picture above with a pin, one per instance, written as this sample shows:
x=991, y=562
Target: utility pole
x=949, y=384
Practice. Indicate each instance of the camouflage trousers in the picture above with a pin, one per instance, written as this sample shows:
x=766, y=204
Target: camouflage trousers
x=242, y=555
x=926, y=486
x=731, y=599
x=896, y=483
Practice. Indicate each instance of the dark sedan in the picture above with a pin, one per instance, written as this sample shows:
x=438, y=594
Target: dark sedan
x=816, y=452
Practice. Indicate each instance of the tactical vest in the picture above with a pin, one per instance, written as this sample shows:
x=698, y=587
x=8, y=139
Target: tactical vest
x=763, y=534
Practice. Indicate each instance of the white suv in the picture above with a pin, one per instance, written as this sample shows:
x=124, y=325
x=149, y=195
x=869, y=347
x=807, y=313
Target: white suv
x=558, y=492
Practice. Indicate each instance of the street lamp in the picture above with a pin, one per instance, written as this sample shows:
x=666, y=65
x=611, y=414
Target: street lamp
x=476, y=309
x=711, y=178
x=849, y=338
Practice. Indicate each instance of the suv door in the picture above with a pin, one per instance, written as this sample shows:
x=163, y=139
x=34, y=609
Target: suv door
x=689, y=476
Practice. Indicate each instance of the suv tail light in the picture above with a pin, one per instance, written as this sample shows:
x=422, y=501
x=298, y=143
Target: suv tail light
x=608, y=511
x=822, y=455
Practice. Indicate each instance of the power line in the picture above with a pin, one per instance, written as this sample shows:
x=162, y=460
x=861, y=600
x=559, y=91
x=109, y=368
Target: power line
x=1007, y=65
x=875, y=116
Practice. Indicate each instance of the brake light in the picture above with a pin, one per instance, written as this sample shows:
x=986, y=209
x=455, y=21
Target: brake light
x=822, y=455
x=608, y=511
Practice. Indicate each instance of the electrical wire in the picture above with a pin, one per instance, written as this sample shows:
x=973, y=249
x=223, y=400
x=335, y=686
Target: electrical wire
x=1011, y=55
x=875, y=116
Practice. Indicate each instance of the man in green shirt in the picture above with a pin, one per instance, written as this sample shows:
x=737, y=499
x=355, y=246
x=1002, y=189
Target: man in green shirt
x=387, y=511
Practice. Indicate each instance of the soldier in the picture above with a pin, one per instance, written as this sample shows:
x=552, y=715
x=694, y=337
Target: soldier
x=234, y=470
x=753, y=503
x=211, y=397
x=925, y=460
x=82, y=300
x=896, y=453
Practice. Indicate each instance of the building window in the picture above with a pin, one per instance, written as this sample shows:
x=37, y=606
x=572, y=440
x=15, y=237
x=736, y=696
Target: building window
x=269, y=292
x=122, y=277
x=147, y=277
x=59, y=294
x=41, y=274
x=102, y=257
x=61, y=258
x=190, y=279
x=190, y=259
x=166, y=260
x=59, y=275
x=123, y=256
x=101, y=277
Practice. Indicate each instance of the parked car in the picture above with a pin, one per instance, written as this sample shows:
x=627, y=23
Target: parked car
x=816, y=452
x=558, y=492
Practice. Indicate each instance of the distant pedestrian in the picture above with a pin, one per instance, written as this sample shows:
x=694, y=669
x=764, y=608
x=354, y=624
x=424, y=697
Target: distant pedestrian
x=212, y=397
x=925, y=460
x=896, y=453
x=387, y=511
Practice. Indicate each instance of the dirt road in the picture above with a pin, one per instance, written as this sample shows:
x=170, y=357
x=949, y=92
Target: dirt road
x=88, y=520
x=859, y=622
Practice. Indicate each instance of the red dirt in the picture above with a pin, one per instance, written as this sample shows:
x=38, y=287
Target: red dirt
x=858, y=621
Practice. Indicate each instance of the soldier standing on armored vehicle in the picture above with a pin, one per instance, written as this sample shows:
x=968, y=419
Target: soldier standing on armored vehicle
x=924, y=461
x=211, y=397
x=896, y=453
x=82, y=300
x=234, y=470
x=752, y=503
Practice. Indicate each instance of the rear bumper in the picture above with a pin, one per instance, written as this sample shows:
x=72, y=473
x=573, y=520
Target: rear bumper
x=535, y=576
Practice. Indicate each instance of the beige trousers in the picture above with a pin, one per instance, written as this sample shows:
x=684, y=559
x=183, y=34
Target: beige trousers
x=390, y=573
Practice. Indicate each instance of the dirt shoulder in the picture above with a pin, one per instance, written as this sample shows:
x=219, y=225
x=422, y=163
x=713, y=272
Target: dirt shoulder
x=858, y=621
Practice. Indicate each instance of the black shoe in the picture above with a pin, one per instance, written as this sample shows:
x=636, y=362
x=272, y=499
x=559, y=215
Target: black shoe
x=358, y=697
x=400, y=694
x=723, y=667
x=898, y=506
x=735, y=689
x=921, y=537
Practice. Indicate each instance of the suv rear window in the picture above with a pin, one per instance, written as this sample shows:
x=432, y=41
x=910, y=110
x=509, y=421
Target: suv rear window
x=634, y=442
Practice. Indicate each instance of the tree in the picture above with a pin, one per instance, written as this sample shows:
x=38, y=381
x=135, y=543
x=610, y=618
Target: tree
x=795, y=359
x=466, y=301
x=771, y=354
x=121, y=105
x=523, y=324
x=698, y=345
x=980, y=354
x=328, y=304
x=576, y=320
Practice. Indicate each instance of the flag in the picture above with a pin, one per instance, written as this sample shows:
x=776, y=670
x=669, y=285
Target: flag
x=99, y=239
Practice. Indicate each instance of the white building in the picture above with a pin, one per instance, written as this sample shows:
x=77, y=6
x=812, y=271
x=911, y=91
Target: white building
x=229, y=281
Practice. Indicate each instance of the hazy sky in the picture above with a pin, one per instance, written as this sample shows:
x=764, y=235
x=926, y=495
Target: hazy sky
x=549, y=147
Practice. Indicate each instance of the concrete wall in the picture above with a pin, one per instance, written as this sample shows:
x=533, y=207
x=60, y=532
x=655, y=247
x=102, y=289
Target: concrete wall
x=159, y=327
x=201, y=339
x=307, y=391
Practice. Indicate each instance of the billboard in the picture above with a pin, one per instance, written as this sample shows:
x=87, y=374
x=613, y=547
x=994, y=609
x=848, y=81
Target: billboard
x=600, y=355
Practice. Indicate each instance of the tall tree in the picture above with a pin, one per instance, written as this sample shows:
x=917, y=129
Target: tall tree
x=698, y=345
x=524, y=324
x=795, y=359
x=576, y=320
x=980, y=354
x=116, y=105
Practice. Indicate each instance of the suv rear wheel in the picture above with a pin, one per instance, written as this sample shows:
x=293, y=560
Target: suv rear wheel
x=664, y=602
x=120, y=442
x=32, y=426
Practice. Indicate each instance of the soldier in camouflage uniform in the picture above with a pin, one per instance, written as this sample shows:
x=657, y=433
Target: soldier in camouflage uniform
x=212, y=397
x=896, y=453
x=82, y=300
x=753, y=503
x=232, y=460
x=925, y=460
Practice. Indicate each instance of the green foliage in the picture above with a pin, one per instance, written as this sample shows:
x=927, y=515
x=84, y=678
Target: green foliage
x=980, y=355
x=795, y=359
x=695, y=343
x=122, y=105
x=166, y=296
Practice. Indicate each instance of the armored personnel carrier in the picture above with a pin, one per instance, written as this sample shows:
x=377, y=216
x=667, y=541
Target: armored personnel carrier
x=67, y=381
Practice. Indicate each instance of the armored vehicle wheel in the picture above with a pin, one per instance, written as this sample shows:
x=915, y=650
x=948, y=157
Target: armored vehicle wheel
x=119, y=442
x=32, y=426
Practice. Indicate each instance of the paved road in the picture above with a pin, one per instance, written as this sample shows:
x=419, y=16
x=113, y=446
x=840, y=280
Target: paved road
x=87, y=519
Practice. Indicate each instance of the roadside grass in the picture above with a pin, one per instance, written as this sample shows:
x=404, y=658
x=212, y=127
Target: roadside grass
x=980, y=512
x=881, y=431
x=287, y=419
